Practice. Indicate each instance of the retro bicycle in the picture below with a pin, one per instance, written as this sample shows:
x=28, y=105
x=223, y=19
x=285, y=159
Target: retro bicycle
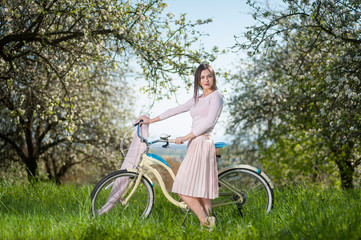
x=241, y=187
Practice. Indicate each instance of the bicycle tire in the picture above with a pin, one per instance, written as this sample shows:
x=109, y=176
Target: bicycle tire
x=140, y=204
x=255, y=194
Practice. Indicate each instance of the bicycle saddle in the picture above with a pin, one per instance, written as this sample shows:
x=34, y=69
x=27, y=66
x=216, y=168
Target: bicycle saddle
x=220, y=144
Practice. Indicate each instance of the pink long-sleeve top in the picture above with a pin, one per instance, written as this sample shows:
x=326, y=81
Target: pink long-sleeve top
x=204, y=113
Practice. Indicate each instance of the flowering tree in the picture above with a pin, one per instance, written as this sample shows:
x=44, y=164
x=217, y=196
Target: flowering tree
x=303, y=86
x=63, y=65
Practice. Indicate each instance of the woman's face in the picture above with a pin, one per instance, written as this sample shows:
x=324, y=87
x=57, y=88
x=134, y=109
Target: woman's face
x=206, y=80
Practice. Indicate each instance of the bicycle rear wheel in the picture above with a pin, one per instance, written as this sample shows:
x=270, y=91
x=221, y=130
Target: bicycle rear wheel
x=246, y=190
x=107, y=199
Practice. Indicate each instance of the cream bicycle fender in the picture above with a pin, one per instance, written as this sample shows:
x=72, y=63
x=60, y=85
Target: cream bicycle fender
x=144, y=175
x=259, y=172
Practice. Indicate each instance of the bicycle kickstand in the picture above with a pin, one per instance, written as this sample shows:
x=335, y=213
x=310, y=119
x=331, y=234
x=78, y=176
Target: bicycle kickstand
x=185, y=217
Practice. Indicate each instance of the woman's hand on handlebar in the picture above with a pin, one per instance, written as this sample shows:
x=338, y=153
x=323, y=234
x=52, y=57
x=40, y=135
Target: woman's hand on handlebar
x=146, y=119
x=180, y=140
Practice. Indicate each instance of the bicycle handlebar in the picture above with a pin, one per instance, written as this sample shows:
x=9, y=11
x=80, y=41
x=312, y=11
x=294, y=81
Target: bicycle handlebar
x=146, y=141
x=138, y=132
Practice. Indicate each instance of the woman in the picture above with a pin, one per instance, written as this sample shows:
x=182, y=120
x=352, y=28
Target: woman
x=197, y=180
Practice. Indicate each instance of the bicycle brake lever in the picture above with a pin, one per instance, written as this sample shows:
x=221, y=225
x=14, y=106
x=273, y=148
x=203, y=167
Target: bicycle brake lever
x=166, y=145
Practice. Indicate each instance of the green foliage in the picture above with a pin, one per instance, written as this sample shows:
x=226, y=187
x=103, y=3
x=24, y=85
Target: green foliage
x=303, y=87
x=48, y=211
x=295, y=159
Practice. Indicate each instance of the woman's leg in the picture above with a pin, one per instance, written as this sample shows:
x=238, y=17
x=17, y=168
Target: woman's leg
x=196, y=206
x=206, y=205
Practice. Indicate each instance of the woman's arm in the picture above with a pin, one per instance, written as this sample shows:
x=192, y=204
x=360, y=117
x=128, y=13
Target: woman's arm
x=181, y=140
x=177, y=110
x=147, y=120
x=169, y=113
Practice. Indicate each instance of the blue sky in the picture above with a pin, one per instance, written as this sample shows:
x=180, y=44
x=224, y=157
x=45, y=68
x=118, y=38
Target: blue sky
x=230, y=18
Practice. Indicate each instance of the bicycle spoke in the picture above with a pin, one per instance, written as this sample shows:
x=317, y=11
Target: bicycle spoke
x=256, y=184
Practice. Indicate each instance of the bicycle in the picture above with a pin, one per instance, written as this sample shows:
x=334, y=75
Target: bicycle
x=240, y=186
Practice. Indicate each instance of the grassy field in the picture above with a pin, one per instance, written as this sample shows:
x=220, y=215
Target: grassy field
x=48, y=211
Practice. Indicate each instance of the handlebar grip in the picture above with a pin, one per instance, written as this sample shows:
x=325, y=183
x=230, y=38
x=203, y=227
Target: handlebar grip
x=136, y=124
x=171, y=140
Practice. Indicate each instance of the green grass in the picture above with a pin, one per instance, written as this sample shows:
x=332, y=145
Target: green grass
x=48, y=211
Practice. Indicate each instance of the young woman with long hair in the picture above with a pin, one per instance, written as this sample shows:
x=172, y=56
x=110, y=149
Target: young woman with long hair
x=197, y=181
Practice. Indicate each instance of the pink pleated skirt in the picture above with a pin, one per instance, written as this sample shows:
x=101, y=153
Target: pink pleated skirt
x=197, y=175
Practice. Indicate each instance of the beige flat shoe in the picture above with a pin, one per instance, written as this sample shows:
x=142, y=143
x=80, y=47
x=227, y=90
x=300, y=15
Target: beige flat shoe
x=209, y=223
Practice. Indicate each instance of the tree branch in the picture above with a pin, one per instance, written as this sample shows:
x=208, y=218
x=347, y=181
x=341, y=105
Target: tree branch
x=44, y=148
x=15, y=146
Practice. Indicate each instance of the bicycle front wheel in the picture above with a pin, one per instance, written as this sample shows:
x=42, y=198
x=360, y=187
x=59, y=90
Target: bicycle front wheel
x=122, y=193
x=246, y=190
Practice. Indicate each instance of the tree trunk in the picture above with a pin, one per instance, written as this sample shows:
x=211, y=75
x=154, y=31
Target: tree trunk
x=32, y=169
x=343, y=159
x=347, y=171
x=48, y=168
x=64, y=168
